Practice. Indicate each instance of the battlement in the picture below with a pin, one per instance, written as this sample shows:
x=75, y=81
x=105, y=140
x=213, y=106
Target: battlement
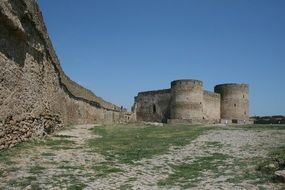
x=162, y=91
x=183, y=82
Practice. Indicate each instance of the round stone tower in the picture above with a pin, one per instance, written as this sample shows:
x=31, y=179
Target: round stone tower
x=234, y=101
x=186, y=100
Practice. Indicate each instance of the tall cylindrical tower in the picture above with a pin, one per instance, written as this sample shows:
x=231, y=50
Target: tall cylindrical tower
x=234, y=101
x=186, y=99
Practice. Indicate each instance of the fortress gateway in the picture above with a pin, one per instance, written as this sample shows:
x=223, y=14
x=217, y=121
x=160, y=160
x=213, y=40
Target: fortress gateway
x=187, y=102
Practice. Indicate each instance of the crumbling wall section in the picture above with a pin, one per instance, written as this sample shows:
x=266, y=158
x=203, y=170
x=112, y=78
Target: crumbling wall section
x=14, y=131
x=153, y=106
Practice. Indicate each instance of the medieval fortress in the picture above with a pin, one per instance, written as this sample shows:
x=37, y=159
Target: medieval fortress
x=37, y=97
x=187, y=102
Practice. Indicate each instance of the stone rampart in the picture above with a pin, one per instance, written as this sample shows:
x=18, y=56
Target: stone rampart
x=33, y=84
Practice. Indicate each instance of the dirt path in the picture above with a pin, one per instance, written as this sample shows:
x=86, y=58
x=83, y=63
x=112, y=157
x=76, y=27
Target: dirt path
x=60, y=167
x=51, y=164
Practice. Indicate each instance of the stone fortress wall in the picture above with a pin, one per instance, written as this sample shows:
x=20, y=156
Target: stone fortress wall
x=187, y=102
x=36, y=97
x=211, y=106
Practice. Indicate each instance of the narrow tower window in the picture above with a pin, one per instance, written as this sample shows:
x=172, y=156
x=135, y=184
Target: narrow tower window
x=154, y=108
x=235, y=105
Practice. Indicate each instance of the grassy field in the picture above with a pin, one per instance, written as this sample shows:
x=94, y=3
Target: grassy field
x=127, y=144
x=150, y=157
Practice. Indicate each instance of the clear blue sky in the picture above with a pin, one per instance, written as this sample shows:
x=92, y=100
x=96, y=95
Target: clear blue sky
x=117, y=48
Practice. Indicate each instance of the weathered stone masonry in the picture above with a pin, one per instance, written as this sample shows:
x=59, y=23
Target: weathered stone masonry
x=187, y=102
x=36, y=97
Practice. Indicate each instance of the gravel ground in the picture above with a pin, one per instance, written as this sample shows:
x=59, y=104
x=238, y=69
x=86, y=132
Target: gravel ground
x=62, y=167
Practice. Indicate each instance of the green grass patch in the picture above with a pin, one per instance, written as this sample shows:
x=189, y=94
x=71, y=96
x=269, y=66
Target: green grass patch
x=188, y=174
x=125, y=187
x=6, y=155
x=275, y=161
x=259, y=126
x=12, y=169
x=76, y=185
x=37, y=169
x=260, y=170
x=128, y=143
x=104, y=169
x=247, y=171
x=278, y=155
x=67, y=181
x=55, y=144
x=1, y=173
x=22, y=182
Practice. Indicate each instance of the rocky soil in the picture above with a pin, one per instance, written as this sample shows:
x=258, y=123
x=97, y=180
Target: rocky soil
x=67, y=162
